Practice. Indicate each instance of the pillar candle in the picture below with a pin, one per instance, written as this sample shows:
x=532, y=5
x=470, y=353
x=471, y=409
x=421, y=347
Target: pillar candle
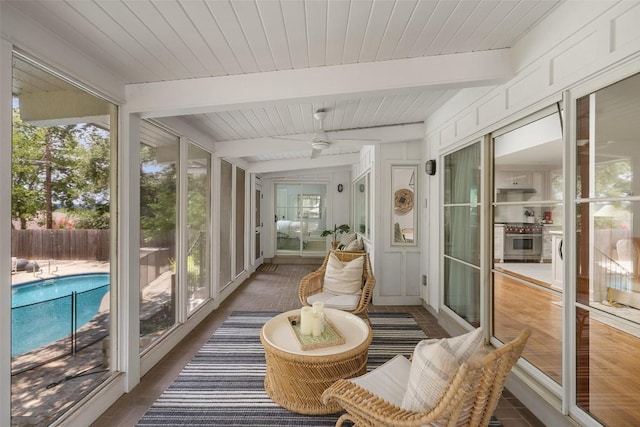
x=318, y=307
x=306, y=320
x=318, y=325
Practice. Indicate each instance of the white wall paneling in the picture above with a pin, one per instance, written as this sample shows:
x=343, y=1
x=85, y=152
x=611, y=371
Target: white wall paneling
x=397, y=267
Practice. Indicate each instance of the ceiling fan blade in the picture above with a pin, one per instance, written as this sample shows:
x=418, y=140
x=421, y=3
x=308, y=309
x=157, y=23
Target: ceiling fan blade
x=288, y=138
x=355, y=139
x=315, y=153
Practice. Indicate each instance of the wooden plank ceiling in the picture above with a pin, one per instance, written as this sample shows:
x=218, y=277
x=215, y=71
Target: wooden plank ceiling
x=155, y=41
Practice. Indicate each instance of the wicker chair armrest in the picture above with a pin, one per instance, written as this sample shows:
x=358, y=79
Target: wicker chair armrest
x=369, y=409
x=310, y=284
x=367, y=294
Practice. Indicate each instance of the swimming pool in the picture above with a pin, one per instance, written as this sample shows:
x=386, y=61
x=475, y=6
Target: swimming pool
x=44, y=311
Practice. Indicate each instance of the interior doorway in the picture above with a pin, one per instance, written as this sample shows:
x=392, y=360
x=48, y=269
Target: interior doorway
x=300, y=216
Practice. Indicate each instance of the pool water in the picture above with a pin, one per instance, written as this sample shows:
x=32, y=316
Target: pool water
x=42, y=311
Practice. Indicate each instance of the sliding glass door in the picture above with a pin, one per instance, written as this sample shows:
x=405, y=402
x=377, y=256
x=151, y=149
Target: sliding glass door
x=528, y=237
x=301, y=211
x=607, y=301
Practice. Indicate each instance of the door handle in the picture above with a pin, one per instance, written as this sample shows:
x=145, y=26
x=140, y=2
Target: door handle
x=560, y=245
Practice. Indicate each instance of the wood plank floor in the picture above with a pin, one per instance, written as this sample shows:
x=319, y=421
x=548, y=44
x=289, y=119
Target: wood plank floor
x=276, y=291
x=610, y=376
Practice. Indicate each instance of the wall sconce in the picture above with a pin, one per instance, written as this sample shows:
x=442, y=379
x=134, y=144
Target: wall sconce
x=430, y=167
x=340, y=188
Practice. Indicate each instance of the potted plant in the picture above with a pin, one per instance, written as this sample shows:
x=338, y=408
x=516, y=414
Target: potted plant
x=337, y=229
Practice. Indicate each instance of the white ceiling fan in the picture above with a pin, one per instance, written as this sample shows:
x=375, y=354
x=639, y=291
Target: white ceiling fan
x=320, y=139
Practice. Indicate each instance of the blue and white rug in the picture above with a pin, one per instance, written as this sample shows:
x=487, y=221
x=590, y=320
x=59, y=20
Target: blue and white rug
x=223, y=385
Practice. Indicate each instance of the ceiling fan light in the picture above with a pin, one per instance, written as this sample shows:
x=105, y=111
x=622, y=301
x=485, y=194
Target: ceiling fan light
x=320, y=145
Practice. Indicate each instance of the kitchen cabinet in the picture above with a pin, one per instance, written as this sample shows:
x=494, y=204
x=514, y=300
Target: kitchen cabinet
x=513, y=179
x=498, y=243
x=520, y=185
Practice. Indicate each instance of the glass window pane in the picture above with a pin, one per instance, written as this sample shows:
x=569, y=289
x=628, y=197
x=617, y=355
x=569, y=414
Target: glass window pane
x=198, y=208
x=607, y=249
x=314, y=218
x=610, y=145
x=528, y=267
x=462, y=290
x=158, y=226
x=462, y=233
x=240, y=211
x=462, y=176
x=301, y=213
x=518, y=305
x=226, y=199
x=62, y=146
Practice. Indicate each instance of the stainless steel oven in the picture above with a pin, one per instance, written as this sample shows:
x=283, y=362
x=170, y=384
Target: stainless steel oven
x=523, y=243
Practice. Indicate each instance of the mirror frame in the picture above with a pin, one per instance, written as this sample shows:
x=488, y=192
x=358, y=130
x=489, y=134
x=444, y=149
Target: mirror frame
x=404, y=217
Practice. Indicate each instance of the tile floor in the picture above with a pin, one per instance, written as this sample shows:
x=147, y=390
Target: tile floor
x=274, y=291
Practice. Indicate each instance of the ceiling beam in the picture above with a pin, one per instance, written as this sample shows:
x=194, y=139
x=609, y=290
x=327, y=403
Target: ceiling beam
x=365, y=136
x=212, y=94
x=304, y=164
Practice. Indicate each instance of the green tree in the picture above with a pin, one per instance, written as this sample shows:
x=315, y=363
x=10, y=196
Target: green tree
x=158, y=198
x=63, y=185
x=60, y=168
x=93, y=202
x=27, y=192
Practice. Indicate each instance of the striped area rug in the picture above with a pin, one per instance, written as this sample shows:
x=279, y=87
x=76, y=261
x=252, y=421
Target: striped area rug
x=223, y=384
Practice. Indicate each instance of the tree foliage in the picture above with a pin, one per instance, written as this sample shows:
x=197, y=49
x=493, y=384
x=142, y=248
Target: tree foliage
x=158, y=197
x=27, y=198
x=74, y=159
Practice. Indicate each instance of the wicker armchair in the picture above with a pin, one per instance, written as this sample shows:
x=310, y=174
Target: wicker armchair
x=469, y=400
x=311, y=284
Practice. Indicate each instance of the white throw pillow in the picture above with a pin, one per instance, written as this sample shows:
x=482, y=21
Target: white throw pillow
x=466, y=345
x=342, y=278
x=432, y=366
x=430, y=376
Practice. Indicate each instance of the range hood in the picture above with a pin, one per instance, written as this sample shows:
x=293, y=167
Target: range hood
x=515, y=190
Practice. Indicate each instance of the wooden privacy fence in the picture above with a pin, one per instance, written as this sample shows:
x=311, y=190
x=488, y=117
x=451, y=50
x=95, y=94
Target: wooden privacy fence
x=61, y=244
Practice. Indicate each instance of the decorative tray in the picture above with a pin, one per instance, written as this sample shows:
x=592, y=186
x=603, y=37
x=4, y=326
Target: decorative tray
x=330, y=337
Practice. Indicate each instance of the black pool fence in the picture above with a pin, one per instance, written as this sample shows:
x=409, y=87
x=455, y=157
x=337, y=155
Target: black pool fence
x=63, y=313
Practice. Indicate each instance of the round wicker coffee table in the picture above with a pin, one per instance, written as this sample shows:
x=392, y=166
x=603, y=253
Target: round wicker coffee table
x=295, y=378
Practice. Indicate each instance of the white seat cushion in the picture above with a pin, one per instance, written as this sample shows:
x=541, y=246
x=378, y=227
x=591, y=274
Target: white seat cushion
x=388, y=381
x=340, y=302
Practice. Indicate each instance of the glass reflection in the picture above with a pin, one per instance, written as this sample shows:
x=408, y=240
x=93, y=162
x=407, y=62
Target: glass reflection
x=198, y=207
x=608, y=253
x=158, y=224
